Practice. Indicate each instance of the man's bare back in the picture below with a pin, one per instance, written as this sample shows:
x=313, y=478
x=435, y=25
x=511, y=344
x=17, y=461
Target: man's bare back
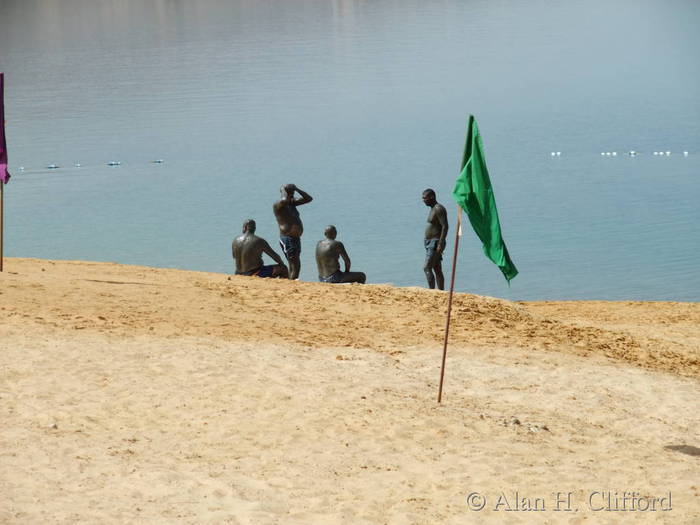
x=247, y=250
x=328, y=253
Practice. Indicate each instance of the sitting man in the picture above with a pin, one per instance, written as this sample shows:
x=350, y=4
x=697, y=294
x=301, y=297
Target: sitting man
x=327, y=253
x=247, y=252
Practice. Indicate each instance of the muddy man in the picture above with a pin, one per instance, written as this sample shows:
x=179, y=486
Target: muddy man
x=435, y=234
x=290, y=225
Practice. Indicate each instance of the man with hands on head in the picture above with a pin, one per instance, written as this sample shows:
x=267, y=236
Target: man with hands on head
x=291, y=227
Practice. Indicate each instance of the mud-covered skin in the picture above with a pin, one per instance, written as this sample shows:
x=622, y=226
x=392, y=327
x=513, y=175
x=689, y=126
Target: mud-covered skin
x=289, y=221
x=436, y=228
x=247, y=250
x=328, y=254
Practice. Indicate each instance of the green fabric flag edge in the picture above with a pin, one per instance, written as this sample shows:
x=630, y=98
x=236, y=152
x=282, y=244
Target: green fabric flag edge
x=474, y=194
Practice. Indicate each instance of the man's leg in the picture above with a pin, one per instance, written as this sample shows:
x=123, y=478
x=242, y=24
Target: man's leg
x=438, y=275
x=428, y=269
x=353, y=277
x=280, y=270
x=294, y=266
x=291, y=247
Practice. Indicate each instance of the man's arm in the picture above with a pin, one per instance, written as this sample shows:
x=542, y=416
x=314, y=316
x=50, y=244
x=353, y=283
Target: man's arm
x=235, y=248
x=442, y=219
x=234, y=245
x=344, y=255
x=305, y=197
x=272, y=253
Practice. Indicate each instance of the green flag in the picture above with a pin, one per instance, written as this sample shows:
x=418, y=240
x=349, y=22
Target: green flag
x=474, y=194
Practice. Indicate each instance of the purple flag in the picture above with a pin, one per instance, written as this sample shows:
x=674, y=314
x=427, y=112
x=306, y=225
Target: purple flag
x=4, y=175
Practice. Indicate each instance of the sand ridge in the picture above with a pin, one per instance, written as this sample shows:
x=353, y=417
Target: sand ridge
x=124, y=300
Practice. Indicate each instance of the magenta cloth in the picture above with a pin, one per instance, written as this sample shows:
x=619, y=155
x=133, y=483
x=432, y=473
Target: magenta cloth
x=4, y=175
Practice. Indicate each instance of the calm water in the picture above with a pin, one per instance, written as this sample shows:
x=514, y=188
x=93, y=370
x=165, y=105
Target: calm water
x=362, y=104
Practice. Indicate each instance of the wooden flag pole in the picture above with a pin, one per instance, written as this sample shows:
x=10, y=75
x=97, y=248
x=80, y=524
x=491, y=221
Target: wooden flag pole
x=2, y=225
x=458, y=234
x=4, y=177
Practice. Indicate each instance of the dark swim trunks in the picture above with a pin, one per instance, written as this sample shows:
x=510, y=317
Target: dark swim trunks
x=291, y=246
x=335, y=277
x=432, y=255
x=263, y=271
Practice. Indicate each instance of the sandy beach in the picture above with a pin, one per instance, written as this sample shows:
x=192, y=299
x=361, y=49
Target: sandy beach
x=133, y=394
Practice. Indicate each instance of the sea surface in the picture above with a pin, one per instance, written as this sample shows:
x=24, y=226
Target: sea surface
x=363, y=104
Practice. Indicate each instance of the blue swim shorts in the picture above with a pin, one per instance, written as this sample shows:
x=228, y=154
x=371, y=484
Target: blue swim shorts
x=291, y=246
x=335, y=277
x=432, y=255
x=263, y=271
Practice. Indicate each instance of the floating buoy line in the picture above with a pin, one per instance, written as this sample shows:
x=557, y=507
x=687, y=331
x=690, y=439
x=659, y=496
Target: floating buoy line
x=631, y=153
x=117, y=163
x=53, y=167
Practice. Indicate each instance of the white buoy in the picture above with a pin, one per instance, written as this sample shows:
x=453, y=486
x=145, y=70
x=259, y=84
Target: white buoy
x=685, y=153
x=21, y=168
x=78, y=165
x=602, y=154
x=668, y=153
x=558, y=153
x=633, y=153
x=614, y=153
x=552, y=154
x=656, y=153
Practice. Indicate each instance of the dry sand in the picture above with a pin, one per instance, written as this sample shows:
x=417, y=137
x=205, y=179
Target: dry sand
x=133, y=394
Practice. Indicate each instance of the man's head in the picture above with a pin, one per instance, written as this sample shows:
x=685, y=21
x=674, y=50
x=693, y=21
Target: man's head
x=287, y=191
x=429, y=197
x=330, y=232
x=249, y=226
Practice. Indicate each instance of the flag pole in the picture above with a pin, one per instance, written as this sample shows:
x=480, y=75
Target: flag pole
x=2, y=225
x=458, y=234
x=4, y=175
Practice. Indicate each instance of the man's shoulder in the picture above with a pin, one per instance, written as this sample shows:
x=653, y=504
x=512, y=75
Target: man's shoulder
x=248, y=239
x=256, y=239
x=328, y=244
x=439, y=209
x=282, y=204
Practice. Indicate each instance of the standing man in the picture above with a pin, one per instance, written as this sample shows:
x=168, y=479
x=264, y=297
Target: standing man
x=328, y=251
x=290, y=225
x=435, y=234
x=247, y=250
